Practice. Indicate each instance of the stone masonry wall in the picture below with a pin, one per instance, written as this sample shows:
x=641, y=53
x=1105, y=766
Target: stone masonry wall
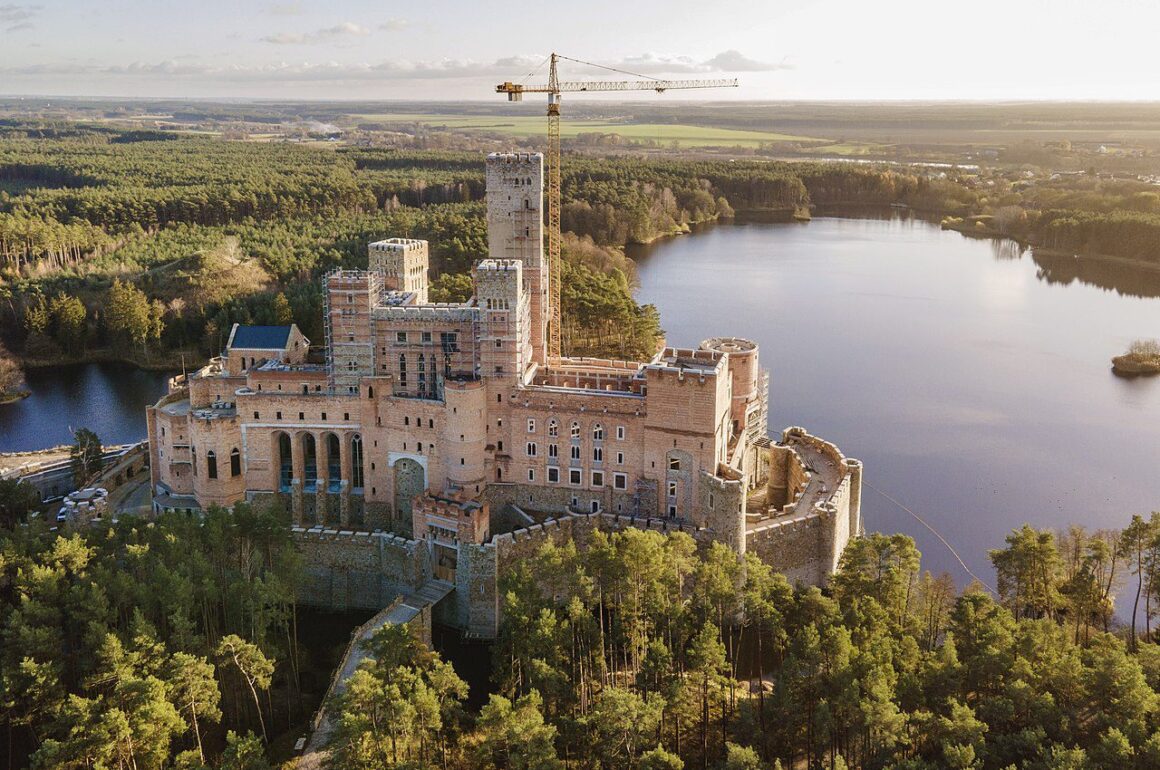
x=364, y=570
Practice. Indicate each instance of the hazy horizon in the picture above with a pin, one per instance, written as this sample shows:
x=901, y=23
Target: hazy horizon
x=450, y=50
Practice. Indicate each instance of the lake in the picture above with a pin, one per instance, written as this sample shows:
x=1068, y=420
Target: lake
x=972, y=379
x=109, y=399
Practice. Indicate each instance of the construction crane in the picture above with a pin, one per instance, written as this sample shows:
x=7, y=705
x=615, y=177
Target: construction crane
x=553, y=88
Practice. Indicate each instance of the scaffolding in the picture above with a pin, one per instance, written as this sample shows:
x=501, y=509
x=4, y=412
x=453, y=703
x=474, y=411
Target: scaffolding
x=349, y=336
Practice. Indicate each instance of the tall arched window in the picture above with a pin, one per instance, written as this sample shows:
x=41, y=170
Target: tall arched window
x=310, y=462
x=285, y=462
x=597, y=432
x=356, y=464
x=211, y=464
x=235, y=462
x=333, y=461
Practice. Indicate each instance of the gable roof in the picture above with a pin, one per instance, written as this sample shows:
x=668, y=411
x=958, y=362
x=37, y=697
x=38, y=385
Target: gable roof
x=259, y=337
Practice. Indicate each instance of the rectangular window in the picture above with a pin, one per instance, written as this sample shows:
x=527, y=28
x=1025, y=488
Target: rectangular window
x=426, y=336
x=278, y=415
x=574, y=477
x=553, y=475
x=620, y=458
x=620, y=433
x=619, y=481
x=401, y=338
x=302, y=415
x=674, y=464
x=255, y=417
x=324, y=415
x=531, y=449
x=672, y=489
x=597, y=478
x=531, y=425
x=531, y=474
x=672, y=511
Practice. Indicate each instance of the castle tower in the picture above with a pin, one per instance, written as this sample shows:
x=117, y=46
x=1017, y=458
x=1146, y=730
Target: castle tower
x=515, y=230
x=403, y=263
x=750, y=385
x=505, y=349
x=350, y=296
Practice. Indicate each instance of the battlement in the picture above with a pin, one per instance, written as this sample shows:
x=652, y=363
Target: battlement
x=493, y=264
x=680, y=361
x=426, y=313
x=515, y=157
x=398, y=244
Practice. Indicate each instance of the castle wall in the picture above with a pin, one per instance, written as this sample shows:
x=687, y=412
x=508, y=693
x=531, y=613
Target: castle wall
x=358, y=570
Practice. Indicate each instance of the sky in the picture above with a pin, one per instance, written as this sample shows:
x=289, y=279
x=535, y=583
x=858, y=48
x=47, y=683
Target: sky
x=459, y=49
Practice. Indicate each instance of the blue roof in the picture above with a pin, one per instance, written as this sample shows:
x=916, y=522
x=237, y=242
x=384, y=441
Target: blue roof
x=260, y=337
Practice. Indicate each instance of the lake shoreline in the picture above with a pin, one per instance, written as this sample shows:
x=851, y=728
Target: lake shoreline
x=166, y=362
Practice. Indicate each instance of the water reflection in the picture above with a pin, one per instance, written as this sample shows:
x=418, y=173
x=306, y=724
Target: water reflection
x=974, y=383
x=108, y=398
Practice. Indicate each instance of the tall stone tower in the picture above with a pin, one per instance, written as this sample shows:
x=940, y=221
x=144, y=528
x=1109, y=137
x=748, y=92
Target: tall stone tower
x=515, y=230
x=402, y=262
x=504, y=345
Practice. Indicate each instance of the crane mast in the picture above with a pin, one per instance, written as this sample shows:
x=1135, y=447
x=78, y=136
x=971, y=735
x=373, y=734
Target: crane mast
x=553, y=88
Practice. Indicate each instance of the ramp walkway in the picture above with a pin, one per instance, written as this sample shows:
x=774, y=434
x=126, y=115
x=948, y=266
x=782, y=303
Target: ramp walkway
x=405, y=609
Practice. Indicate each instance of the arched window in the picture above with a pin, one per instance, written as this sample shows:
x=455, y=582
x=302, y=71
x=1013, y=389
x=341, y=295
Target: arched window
x=575, y=430
x=333, y=462
x=211, y=464
x=235, y=462
x=356, y=464
x=597, y=432
x=285, y=462
x=370, y=391
x=309, y=462
x=553, y=428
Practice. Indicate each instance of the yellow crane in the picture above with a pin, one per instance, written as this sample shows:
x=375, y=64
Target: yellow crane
x=553, y=88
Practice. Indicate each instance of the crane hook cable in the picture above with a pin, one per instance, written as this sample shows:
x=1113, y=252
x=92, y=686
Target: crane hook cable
x=937, y=534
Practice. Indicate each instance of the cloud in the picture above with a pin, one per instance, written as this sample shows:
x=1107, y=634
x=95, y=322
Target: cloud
x=337, y=73
x=284, y=9
x=658, y=64
x=735, y=61
x=18, y=16
x=394, y=25
x=337, y=32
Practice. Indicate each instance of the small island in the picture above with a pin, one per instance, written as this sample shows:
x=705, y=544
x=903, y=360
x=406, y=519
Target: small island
x=1142, y=358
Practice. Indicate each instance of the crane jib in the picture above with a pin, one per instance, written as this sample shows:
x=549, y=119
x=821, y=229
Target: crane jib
x=515, y=93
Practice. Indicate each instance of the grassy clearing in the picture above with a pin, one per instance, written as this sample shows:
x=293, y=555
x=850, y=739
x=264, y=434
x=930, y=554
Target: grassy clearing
x=522, y=125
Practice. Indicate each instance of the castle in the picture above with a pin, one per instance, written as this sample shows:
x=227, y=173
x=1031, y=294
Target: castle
x=434, y=441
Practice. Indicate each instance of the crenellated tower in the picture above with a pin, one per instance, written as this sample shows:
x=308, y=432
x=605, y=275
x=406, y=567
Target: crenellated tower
x=515, y=230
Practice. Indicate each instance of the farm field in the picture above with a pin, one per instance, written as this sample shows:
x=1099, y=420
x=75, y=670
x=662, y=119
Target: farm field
x=523, y=125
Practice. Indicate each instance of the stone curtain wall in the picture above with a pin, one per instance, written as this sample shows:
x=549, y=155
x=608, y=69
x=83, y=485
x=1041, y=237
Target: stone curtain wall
x=358, y=570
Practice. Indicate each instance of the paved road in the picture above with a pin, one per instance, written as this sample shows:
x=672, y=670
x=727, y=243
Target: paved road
x=134, y=497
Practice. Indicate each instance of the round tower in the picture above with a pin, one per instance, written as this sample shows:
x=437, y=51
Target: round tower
x=746, y=377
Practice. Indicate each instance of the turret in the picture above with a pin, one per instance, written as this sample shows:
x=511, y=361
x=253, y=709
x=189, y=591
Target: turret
x=403, y=263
